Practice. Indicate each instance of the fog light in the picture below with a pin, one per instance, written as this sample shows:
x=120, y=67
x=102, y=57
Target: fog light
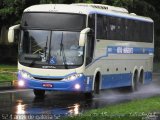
x=21, y=83
x=77, y=86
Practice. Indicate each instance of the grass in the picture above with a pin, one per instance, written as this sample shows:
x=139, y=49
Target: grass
x=10, y=68
x=135, y=110
x=156, y=67
x=7, y=73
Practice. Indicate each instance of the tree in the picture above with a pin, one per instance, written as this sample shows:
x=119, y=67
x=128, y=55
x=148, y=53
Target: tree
x=97, y=1
x=11, y=10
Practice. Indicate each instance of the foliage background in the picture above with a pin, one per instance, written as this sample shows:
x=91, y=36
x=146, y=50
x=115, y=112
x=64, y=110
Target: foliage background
x=11, y=11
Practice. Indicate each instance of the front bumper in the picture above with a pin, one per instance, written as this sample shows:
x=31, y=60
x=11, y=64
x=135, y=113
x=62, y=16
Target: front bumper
x=59, y=85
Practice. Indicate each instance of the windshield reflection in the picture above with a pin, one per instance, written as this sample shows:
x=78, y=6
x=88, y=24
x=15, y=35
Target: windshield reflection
x=65, y=48
x=39, y=48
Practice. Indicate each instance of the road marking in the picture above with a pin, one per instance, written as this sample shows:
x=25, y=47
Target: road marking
x=13, y=91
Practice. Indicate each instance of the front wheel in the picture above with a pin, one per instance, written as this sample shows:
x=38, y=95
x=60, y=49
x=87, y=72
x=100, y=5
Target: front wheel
x=95, y=92
x=39, y=93
x=89, y=95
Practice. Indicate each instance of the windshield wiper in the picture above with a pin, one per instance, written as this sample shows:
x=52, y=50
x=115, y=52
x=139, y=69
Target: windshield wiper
x=62, y=52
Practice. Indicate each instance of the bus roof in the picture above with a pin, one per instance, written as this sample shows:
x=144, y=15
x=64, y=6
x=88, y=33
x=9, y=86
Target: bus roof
x=87, y=9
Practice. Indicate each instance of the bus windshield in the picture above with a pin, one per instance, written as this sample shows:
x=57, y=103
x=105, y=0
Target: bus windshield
x=51, y=40
x=44, y=49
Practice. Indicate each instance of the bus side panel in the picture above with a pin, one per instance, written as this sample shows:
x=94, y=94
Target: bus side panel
x=116, y=80
x=116, y=68
x=147, y=77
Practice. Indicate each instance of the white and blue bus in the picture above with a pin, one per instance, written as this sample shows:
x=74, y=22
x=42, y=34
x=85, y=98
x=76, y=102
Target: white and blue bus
x=83, y=48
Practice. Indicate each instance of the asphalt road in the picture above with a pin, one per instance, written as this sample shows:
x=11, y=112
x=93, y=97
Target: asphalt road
x=21, y=103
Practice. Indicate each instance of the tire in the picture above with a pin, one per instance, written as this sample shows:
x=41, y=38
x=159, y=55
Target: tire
x=39, y=93
x=96, y=87
x=89, y=95
x=141, y=78
x=135, y=84
x=96, y=91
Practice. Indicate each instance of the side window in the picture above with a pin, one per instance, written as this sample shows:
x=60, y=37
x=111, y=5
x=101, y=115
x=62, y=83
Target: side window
x=90, y=39
x=106, y=26
x=129, y=30
x=112, y=28
x=142, y=35
x=146, y=32
x=90, y=49
x=126, y=29
x=101, y=30
x=91, y=22
x=149, y=32
x=119, y=29
x=136, y=32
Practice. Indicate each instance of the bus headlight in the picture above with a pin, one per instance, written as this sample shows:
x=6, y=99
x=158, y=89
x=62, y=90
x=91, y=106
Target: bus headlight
x=72, y=77
x=77, y=86
x=21, y=83
x=25, y=75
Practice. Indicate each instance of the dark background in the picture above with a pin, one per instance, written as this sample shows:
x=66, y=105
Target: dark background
x=11, y=11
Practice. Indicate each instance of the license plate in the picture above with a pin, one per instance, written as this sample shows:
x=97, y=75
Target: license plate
x=47, y=85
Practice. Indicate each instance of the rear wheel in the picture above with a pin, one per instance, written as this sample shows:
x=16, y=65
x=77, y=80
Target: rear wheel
x=39, y=93
x=135, y=84
x=141, y=78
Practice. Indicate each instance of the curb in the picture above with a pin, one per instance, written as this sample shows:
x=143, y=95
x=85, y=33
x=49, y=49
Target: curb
x=7, y=88
x=156, y=73
x=6, y=85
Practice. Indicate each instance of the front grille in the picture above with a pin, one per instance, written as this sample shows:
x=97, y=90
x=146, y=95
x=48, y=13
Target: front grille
x=52, y=79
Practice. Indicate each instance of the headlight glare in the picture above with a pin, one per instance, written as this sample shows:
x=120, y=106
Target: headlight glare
x=72, y=77
x=25, y=75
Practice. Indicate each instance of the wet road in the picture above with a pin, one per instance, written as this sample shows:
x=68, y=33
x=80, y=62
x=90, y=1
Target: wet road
x=23, y=102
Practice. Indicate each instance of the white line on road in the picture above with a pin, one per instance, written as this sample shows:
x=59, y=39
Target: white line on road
x=13, y=91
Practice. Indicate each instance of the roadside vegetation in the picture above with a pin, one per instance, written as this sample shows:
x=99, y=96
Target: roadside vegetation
x=156, y=67
x=8, y=73
x=144, y=109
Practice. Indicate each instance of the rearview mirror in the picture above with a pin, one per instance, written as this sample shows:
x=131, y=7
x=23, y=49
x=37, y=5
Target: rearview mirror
x=11, y=33
x=83, y=36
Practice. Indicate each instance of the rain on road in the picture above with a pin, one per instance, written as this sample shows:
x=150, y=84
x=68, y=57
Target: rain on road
x=22, y=101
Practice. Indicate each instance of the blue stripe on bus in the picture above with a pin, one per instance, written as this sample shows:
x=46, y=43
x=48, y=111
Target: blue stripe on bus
x=148, y=77
x=116, y=80
x=123, y=50
x=108, y=81
x=129, y=50
x=121, y=80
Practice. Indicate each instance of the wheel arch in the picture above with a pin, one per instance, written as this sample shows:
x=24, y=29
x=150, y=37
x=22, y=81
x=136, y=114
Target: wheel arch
x=97, y=73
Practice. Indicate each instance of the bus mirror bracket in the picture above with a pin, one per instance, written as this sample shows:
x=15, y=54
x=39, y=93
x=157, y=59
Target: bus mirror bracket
x=11, y=33
x=83, y=36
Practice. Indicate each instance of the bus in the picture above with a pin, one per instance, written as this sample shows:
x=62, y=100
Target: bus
x=83, y=48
